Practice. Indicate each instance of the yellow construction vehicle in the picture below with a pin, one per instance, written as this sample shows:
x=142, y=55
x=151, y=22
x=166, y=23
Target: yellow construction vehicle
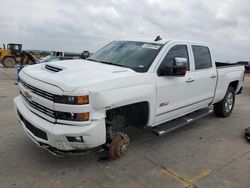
x=13, y=53
x=10, y=55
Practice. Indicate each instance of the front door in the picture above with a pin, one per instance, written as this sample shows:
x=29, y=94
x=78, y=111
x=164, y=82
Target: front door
x=175, y=94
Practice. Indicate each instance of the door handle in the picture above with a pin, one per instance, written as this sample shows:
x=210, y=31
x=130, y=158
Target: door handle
x=213, y=76
x=190, y=80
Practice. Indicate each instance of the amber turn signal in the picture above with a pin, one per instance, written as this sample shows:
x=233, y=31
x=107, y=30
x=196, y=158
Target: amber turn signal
x=83, y=99
x=82, y=116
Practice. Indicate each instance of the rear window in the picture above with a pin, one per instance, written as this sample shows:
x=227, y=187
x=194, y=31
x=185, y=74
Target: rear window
x=202, y=58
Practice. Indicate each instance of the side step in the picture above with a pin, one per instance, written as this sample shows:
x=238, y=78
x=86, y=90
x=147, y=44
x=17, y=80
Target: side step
x=164, y=128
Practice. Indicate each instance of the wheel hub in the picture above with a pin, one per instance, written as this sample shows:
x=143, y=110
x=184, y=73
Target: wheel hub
x=118, y=146
x=9, y=63
x=229, y=102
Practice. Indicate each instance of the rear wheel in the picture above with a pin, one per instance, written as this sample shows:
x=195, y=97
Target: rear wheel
x=9, y=62
x=225, y=107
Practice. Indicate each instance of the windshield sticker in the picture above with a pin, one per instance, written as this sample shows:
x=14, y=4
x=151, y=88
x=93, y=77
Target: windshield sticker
x=151, y=46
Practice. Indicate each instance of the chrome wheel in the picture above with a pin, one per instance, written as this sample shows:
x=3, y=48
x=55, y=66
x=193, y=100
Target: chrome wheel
x=225, y=107
x=229, y=102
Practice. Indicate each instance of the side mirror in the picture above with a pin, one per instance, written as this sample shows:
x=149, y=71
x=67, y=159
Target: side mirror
x=85, y=54
x=178, y=68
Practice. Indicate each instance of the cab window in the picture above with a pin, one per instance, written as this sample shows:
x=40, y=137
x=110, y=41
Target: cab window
x=176, y=51
x=202, y=58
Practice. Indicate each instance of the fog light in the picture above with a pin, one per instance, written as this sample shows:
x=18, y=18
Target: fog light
x=74, y=138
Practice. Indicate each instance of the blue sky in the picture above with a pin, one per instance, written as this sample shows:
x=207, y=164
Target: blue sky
x=79, y=25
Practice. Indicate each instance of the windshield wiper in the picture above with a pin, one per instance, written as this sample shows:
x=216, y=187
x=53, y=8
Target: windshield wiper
x=109, y=63
x=92, y=60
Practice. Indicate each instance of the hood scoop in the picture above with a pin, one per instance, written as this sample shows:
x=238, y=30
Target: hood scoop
x=53, y=68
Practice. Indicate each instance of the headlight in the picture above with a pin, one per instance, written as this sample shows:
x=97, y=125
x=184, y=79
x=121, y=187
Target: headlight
x=73, y=116
x=72, y=99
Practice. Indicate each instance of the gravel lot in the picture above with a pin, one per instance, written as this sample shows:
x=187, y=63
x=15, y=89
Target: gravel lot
x=211, y=152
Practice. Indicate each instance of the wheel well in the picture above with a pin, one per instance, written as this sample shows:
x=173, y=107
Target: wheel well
x=234, y=84
x=136, y=114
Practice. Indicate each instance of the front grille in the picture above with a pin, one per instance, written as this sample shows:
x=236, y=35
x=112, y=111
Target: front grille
x=37, y=91
x=37, y=132
x=53, y=69
x=40, y=107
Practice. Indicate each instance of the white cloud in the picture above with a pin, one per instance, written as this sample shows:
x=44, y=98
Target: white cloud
x=104, y=11
x=78, y=25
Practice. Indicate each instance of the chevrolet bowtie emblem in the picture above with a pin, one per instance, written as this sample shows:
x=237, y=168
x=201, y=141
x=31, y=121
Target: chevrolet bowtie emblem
x=27, y=95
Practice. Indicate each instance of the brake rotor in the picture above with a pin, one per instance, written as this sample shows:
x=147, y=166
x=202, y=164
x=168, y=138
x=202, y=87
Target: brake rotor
x=118, y=146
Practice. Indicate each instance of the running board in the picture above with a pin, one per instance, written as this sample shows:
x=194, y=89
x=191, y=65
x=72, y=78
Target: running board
x=167, y=127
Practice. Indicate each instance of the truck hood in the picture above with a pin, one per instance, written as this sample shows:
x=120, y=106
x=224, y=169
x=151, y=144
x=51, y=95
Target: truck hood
x=71, y=74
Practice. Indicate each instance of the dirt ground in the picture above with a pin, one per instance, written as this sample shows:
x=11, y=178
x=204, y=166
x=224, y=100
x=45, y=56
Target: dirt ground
x=211, y=152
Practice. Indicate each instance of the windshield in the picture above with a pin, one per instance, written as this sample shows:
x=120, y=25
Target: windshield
x=135, y=55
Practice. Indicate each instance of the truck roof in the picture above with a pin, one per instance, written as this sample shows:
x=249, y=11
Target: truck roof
x=162, y=41
x=149, y=40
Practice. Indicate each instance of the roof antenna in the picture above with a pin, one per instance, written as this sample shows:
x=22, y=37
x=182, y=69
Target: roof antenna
x=157, y=38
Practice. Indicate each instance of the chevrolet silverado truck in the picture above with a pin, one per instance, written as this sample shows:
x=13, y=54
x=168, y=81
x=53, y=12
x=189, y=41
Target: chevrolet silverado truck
x=81, y=106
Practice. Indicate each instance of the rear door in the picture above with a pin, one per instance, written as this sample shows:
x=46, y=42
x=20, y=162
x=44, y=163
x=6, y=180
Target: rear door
x=205, y=74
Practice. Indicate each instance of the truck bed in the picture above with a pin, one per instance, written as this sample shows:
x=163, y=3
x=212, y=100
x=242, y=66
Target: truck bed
x=227, y=73
x=225, y=65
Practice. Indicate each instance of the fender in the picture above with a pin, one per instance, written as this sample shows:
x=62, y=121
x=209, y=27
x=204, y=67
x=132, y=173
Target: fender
x=224, y=80
x=114, y=98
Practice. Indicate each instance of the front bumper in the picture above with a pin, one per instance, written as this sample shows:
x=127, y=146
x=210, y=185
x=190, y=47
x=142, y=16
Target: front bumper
x=45, y=133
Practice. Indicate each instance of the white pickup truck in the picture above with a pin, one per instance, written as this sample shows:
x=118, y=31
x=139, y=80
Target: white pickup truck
x=77, y=106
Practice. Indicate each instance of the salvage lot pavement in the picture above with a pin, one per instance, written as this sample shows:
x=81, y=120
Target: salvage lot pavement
x=211, y=152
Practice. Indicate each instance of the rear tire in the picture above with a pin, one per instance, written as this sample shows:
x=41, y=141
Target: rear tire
x=9, y=62
x=225, y=107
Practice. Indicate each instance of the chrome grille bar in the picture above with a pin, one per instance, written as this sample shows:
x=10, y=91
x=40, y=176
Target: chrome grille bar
x=40, y=108
x=38, y=91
